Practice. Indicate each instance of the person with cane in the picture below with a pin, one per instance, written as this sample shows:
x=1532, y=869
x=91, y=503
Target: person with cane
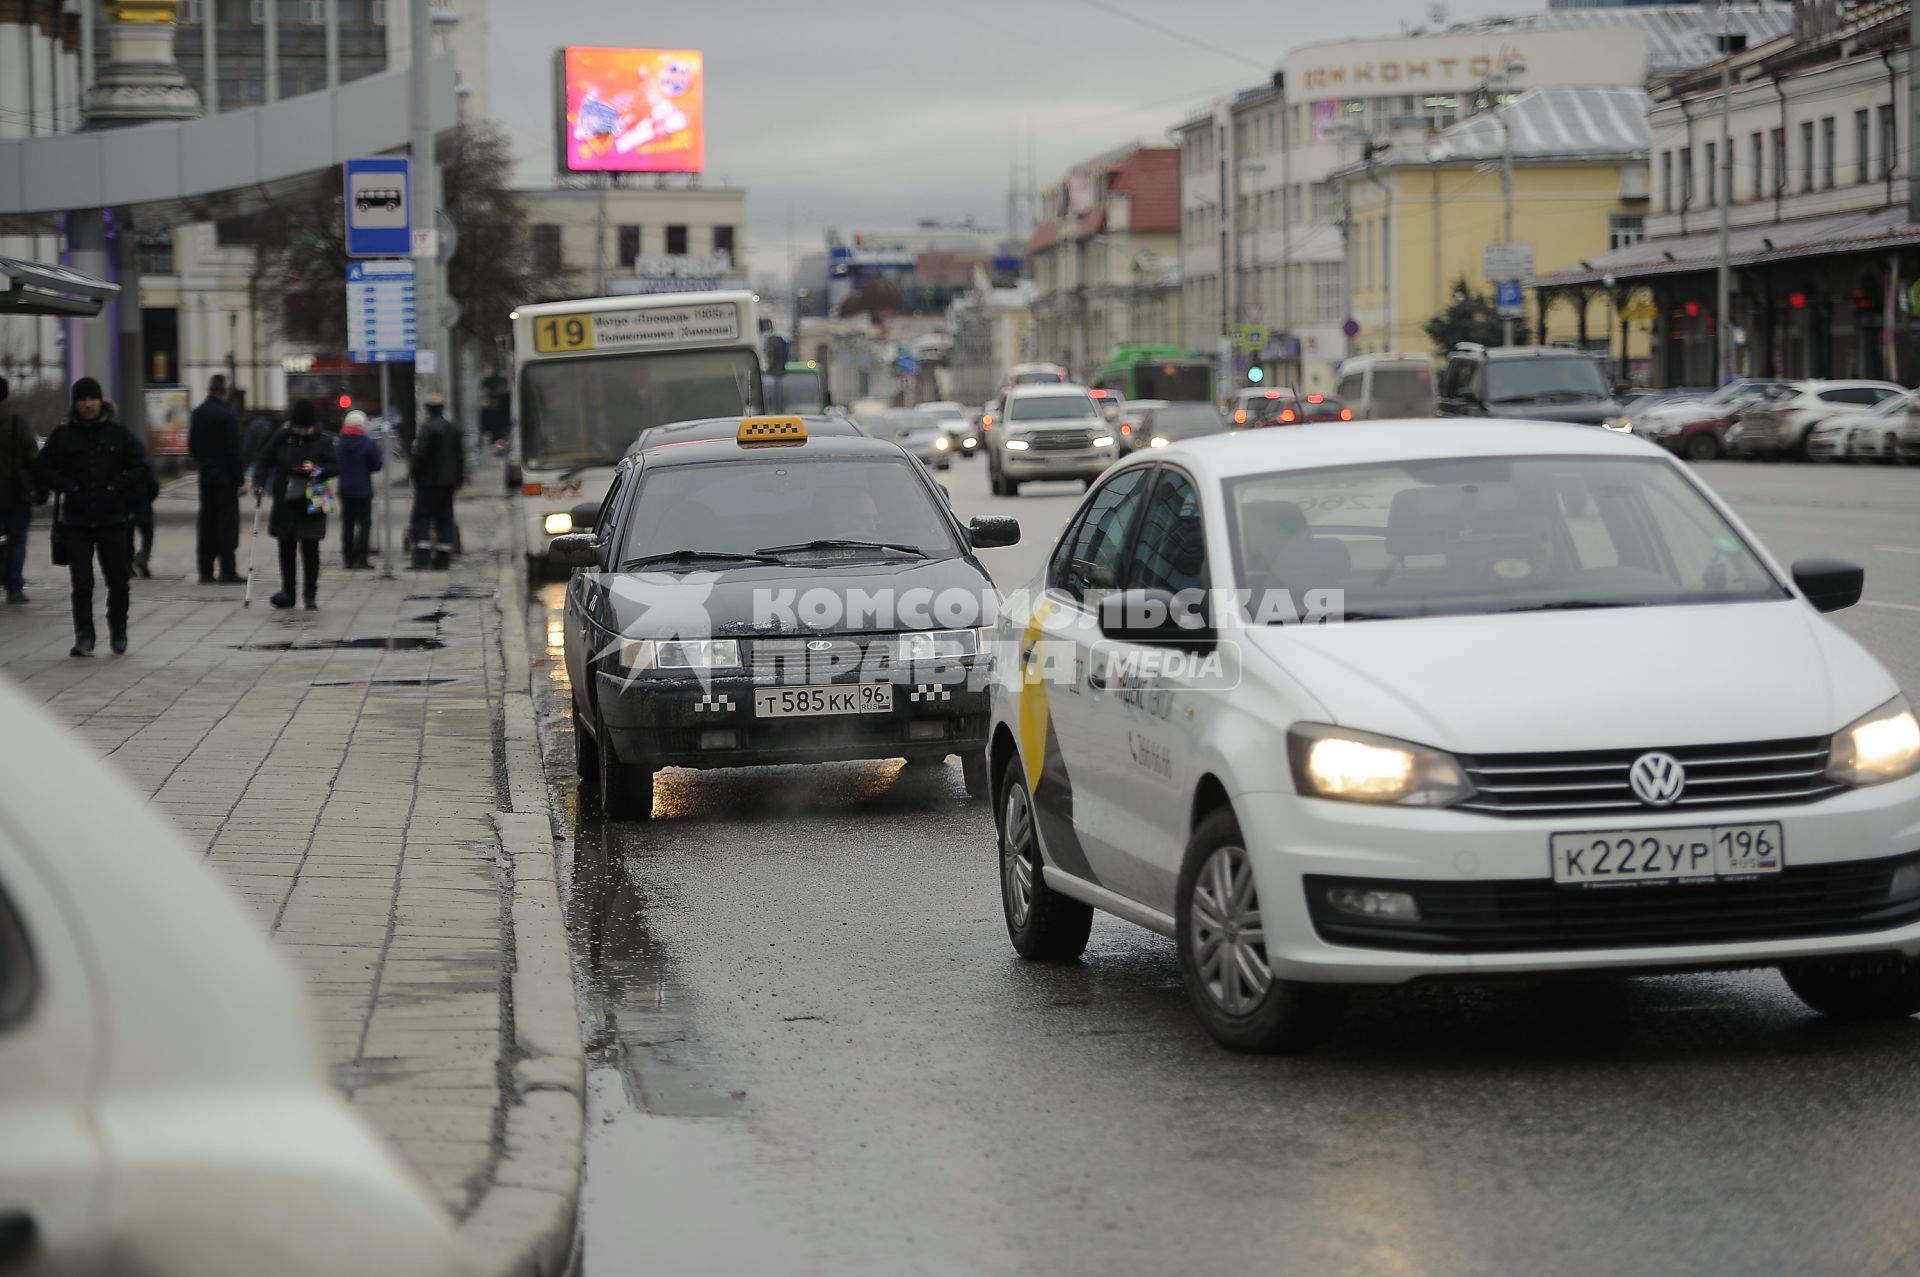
x=295, y=468
x=253, y=543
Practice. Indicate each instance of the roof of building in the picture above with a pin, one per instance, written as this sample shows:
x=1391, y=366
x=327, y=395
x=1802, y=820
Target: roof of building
x=1678, y=36
x=1748, y=246
x=1556, y=123
x=1045, y=236
x=1150, y=178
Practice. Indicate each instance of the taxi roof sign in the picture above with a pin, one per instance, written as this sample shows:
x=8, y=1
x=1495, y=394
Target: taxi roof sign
x=772, y=432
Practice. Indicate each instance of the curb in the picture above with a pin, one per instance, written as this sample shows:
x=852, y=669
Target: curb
x=524, y=1225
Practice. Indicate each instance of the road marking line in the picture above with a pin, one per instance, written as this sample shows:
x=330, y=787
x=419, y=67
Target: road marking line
x=1897, y=549
x=1898, y=607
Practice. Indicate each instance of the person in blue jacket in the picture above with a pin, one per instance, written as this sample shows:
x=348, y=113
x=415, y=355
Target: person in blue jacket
x=360, y=458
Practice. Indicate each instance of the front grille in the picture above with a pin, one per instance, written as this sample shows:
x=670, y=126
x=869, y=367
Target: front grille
x=839, y=732
x=1760, y=774
x=1538, y=915
x=1060, y=440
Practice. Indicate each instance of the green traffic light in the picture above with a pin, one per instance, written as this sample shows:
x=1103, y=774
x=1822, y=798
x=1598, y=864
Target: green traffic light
x=1256, y=374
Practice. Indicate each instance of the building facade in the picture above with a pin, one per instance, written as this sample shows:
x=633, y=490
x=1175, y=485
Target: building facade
x=39, y=94
x=1816, y=184
x=1104, y=256
x=586, y=242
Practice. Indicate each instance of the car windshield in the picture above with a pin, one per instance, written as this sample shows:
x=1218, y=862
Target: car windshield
x=898, y=425
x=1037, y=378
x=1551, y=379
x=745, y=504
x=1051, y=408
x=1183, y=421
x=585, y=412
x=1482, y=535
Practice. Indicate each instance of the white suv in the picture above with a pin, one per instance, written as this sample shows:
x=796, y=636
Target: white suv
x=1459, y=778
x=1048, y=431
x=1780, y=426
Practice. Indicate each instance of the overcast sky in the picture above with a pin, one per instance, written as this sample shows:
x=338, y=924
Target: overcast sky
x=868, y=114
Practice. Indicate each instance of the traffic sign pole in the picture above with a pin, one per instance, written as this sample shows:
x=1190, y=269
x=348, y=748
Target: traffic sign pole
x=386, y=475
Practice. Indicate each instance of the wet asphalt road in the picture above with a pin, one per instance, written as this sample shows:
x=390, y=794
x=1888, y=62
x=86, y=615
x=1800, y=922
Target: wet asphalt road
x=812, y=1050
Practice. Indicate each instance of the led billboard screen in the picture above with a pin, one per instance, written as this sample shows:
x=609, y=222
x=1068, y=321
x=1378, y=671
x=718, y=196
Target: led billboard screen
x=632, y=111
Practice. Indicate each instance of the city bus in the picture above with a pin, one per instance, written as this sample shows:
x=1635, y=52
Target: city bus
x=801, y=389
x=1157, y=372
x=589, y=376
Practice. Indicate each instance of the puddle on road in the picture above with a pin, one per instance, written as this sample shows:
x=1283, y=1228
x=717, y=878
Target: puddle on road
x=455, y=592
x=391, y=643
x=434, y=617
x=384, y=682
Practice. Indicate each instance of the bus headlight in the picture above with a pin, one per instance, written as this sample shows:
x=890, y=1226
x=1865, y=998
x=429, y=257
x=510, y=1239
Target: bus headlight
x=558, y=524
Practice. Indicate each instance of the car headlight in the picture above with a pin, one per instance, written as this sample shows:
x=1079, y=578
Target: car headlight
x=1159, y=441
x=969, y=442
x=1881, y=745
x=919, y=646
x=1359, y=767
x=558, y=525
x=1104, y=441
x=942, y=444
x=1017, y=445
x=680, y=654
x=1618, y=427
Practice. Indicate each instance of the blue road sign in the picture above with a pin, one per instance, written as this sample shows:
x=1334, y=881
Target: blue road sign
x=1509, y=299
x=379, y=204
x=382, y=327
x=906, y=363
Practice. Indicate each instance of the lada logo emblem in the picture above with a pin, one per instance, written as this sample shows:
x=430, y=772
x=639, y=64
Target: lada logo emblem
x=1657, y=779
x=819, y=645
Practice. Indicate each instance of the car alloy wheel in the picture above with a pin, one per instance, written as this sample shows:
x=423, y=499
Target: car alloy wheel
x=1043, y=925
x=1228, y=941
x=1017, y=857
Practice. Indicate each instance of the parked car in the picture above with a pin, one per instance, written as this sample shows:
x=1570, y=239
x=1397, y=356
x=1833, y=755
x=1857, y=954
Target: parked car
x=1256, y=407
x=1781, y=426
x=1875, y=436
x=1534, y=383
x=1910, y=432
x=164, y=1105
x=1385, y=387
x=1827, y=440
x=918, y=433
x=1633, y=411
x=1172, y=422
x=1131, y=421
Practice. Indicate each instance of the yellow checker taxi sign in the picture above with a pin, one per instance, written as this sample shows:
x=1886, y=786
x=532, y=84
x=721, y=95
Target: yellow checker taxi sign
x=772, y=432
x=559, y=334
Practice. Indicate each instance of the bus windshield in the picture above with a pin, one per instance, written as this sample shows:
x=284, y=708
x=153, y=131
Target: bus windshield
x=799, y=391
x=587, y=412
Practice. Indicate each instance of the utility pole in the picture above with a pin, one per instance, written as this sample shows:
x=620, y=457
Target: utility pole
x=1723, y=295
x=1506, y=202
x=425, y=197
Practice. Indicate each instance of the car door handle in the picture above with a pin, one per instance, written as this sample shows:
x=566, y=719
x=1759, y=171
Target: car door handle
x=1095, y=679
x=19, y=1236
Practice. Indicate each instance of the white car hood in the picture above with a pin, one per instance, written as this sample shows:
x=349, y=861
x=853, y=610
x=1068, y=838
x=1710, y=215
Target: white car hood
x=1625, y=678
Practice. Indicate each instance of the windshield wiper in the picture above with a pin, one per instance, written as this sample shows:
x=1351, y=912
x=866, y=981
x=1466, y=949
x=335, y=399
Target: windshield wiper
x=1574, y=605
x=694, y=556
x=836, y=543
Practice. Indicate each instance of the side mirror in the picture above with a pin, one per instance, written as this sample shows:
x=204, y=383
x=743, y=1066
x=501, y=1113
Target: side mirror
x=991, y=531
x=1157, y=617
x=574, y=550
x=1829, y=584
x=584, y=515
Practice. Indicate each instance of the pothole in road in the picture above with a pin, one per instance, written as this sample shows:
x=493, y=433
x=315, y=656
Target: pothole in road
x=390, y=643
x=384, y=682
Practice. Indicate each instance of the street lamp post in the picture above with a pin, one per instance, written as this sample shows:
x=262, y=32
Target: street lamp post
x=1723, y=296
x=1509, y=66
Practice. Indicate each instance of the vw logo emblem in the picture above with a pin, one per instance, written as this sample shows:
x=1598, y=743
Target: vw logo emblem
x=1657, y=779
x=819, y=645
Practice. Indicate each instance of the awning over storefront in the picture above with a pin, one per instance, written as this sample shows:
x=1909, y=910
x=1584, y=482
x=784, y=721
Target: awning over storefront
x=1882, y=228
x=27, y=288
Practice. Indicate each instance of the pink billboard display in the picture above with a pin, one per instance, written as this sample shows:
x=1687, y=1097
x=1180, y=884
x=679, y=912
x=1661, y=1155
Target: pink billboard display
x=633, y=111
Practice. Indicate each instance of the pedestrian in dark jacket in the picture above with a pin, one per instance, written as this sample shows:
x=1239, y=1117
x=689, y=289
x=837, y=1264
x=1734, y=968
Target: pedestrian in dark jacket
x=291, y=467
x=19, y=447
x=213, y=441
x=99, y=469
x=259, y=430
x=360, y=460
x=439, y=469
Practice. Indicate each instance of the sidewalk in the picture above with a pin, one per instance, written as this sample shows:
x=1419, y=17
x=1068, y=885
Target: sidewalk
x=362, y=800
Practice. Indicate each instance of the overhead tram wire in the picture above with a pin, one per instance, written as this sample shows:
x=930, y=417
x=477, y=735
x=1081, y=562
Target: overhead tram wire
x=1174, y=34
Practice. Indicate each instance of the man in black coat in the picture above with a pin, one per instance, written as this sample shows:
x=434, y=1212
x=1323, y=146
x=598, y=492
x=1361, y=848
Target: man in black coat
x=298, y=457
x=439, y=468
x=18, y=495
x=213, y=441
x=99, y=469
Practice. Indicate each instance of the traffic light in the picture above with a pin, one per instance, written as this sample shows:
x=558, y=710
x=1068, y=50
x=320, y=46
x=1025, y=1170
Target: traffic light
x=345, y=401
x=1256, y=374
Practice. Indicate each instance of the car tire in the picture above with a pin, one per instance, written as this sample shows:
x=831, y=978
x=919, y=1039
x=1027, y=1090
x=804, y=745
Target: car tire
x=973, y=770
x=1872, y=986
x=586, y=750
x=1043, y=925
x=1703, y=447
x=626, y=791
x=1243, y=1010
x=1890, y=450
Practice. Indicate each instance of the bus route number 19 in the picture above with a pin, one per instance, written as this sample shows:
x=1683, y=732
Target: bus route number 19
x=562, y=332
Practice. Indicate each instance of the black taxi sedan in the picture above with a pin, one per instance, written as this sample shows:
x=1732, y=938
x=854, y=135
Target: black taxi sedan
x=776, y=596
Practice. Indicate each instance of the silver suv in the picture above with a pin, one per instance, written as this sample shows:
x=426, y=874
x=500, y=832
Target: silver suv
x=1048, y=431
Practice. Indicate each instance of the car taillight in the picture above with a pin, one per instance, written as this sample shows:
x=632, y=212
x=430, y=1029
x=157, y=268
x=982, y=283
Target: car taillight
x=1346, y=414
x=530, y=489
x=1125, y=429
x=1240, y=418
x=1286, y=415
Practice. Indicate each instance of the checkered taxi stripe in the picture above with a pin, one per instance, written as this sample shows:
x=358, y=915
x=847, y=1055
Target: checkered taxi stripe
x=930, y=692
x=714, y=703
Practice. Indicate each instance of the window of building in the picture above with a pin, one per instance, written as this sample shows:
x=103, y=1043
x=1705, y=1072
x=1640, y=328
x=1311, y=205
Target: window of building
x=629, y=244
x=155, y=251
x=313, y=12
x=1779, y=161
x=1686, y=178
x=1711, y=175
x=377, y=12
x=1829, y=166
x=1889, y=143
x=259, y=12
x=1666, y=181
x=1759, y=164
x=192, y=10
x=1806, y=156
x=1862, y=148
x=1625, y=228
x=546, y=248
x=1326, y=202
x=676, y=239
x=723, y=240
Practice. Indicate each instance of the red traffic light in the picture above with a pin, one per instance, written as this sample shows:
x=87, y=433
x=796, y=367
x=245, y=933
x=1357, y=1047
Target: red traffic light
x=346, y=401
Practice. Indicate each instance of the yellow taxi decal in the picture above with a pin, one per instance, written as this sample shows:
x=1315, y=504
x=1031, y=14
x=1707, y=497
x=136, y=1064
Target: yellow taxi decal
x=775, y=432
x=1034, y=714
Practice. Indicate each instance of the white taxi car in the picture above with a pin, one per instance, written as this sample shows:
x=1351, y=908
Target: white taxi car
x=1469, y=773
